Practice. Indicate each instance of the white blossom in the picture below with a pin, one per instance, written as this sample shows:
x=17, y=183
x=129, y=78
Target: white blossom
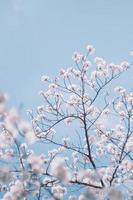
x=58, y=169
x=44, y=78
x=90, y=49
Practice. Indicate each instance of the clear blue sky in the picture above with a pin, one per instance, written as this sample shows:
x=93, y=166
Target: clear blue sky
x=39, y=36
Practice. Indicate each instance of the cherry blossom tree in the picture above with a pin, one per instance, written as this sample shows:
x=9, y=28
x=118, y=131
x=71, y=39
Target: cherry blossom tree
x=84, y=130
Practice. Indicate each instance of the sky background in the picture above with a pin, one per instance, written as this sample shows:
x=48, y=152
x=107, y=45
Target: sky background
x=39, y=36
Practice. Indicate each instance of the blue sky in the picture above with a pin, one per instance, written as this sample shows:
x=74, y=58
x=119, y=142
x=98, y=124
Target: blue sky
x=39, y=36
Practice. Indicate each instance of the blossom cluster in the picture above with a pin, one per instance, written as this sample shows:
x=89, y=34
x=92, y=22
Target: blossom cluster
x=85, y=137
